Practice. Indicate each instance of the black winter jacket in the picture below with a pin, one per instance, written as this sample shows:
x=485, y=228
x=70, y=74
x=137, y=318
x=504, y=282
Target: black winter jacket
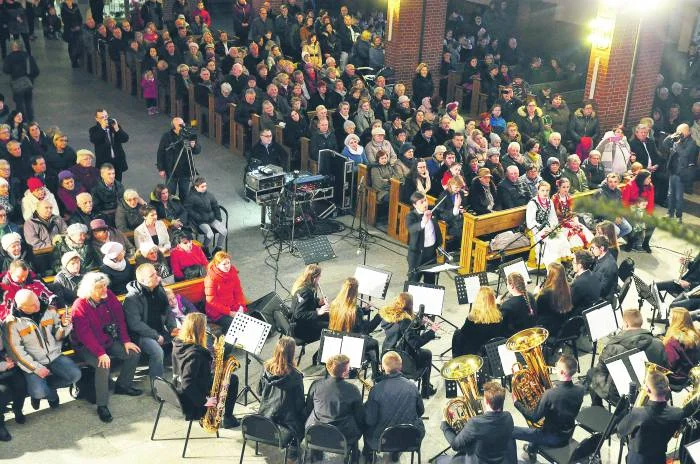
x=192, y=365
x=282, y=400
x=202, y=207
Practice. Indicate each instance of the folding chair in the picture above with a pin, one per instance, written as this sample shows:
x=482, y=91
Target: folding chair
x=260, y=429
x=326, y=438
x=402, y=438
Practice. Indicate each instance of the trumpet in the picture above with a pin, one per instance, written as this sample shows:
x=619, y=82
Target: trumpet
x=434, y=326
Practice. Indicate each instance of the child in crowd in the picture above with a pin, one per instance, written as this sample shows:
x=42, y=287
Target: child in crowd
x=52, y=24
x=203, y=13
x=150, y=92
x=639, y=210
x=634, y=168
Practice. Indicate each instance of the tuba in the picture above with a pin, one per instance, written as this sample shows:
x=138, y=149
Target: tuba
x=463, y=370
x=529, y=383
x=643, y=396
x=219, y=388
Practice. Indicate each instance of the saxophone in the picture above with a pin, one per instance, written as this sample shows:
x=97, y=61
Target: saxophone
x=219, y=388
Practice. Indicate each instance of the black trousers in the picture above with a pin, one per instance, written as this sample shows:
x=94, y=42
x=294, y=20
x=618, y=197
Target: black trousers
x=670, y=286
x=417, y=259
x=13, y=388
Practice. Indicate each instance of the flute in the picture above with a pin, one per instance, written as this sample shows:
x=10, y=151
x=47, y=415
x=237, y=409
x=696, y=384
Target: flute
x=369, y=303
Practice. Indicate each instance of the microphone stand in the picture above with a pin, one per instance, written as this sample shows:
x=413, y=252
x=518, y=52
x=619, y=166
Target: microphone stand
x=554, y=229
x=362, y=232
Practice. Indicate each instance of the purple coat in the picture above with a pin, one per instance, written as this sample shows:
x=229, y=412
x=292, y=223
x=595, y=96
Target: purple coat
x=150, y=88
x=89, y=321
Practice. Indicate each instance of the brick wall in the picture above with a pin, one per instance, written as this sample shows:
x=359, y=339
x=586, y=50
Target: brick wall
x=403, y=51
x=615, y=68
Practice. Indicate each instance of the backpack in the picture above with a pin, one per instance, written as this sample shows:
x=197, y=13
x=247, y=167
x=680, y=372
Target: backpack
x=84, y=388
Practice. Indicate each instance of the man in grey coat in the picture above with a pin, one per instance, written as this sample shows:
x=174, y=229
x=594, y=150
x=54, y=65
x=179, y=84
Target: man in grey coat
x=393, y=400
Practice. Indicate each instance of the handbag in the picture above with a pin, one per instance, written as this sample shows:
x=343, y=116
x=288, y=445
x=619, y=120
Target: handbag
x=24, y=83
x=194, y=271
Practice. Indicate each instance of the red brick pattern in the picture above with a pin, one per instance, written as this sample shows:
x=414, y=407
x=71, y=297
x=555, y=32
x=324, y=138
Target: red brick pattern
x=616, y=66
x=402, y=52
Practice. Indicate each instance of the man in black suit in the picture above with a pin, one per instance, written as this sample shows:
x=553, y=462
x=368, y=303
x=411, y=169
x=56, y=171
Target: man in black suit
x=335, y=401
x=485, y=438
x=605, y=268
x=559, y=407
x=107, y=137
x=649, y=428
x=267, y=151
x=423, y=238
x=585, y=289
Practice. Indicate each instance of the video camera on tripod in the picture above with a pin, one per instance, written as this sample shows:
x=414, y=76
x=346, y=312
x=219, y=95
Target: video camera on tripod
x=187, y=133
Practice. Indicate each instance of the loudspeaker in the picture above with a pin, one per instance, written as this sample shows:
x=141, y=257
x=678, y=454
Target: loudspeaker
x=267, y=305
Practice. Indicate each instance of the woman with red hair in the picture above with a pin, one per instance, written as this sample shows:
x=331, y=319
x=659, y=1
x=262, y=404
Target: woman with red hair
x=223, y=291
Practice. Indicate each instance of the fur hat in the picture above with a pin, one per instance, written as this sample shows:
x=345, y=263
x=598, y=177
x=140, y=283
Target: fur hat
x=76, y=228
x=146, y=247
x=551, y=160
x=378, y=131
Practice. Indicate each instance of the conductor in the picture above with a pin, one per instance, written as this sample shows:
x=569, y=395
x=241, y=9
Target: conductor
x=423, y=239
x=174, y=162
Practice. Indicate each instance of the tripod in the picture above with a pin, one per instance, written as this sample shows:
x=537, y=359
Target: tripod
x=191, y=170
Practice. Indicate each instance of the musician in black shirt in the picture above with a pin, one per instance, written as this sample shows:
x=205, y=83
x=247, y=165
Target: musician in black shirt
x=309, y=306
x=559, y=407
x=649, y=428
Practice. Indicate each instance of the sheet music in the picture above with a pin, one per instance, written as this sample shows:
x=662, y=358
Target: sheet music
x=431, y=298
x=637, y=361
x=353, y=348
x=508, y=359
x=472, y=284
x=520, y=267
x=371, y=282
x=247, y=333
x=694, y=451
x=601, y=322
x=621, y=378
x=331, y=347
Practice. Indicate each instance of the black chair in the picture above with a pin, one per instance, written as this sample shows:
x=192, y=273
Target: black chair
x=573, y=453
x=286, y=328
x=409, y=368
x=568, y=334
x=402, y=438
x=166, y=393
x=260, y=429
x=326, y=438
x=597, y=419
x=626, y=269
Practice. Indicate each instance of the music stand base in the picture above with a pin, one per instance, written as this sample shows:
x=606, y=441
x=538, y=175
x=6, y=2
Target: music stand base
x=246, y=388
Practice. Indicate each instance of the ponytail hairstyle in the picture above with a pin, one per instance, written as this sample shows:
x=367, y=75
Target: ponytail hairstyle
x=517, y=281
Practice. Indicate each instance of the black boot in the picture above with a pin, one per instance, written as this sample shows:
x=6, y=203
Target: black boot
x=4, y=434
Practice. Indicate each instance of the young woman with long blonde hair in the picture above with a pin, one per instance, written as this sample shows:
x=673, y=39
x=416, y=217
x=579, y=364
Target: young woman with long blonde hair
x=404, y=333
x=345, y=316
x=483, y=323
x=682, y=345
x=192, y=371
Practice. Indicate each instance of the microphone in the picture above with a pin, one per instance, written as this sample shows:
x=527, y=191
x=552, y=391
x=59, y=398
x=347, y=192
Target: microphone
x=421, y=311
x=444, y=253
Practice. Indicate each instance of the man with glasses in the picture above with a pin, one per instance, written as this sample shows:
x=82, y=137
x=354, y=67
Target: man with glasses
x=267, y=151
x=108, y=137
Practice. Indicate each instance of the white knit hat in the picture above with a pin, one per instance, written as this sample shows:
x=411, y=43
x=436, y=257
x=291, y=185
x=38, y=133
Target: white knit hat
x=112, y=249
x=9, y=239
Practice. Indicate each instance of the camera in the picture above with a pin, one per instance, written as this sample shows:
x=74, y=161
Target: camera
x=112, y=330
x=188, y=133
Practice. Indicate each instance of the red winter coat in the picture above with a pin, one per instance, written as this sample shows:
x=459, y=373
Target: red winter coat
x=180, y=259
x=223, y=292
x=630, y=193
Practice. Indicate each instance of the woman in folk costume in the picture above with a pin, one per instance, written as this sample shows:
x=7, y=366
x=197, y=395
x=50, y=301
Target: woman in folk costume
x=578, y=235
x=541, y=219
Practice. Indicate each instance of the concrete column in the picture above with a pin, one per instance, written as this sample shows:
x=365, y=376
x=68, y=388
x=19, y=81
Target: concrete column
x=417, y=31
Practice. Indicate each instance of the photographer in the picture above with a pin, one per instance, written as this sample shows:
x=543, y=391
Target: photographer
x=680, y=168
x=176, y=169
x=108, y=138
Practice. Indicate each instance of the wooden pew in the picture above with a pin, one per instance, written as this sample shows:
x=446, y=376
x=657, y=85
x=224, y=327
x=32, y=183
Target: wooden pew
x=370, y=205
x=218, y=128
x=475, y=252
x=210, y=116
x=478, y=101
x=125, y=74
x=306, y=162
x=139, y=72
x=454, y=80
x=255, y=129
x=279, y=138
x=237, y=134
x=190, y=105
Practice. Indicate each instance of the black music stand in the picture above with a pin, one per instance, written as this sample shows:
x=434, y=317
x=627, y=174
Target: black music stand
x=646, y=293
x=494, y=358
x=249, y=334
x=516, y=265
x=610, y=322
x=315, y=250
x=461, y=286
